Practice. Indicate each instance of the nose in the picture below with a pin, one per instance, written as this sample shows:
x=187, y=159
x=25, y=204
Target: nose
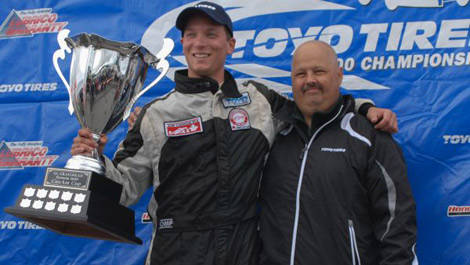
x=200, y=40
x=311, y=79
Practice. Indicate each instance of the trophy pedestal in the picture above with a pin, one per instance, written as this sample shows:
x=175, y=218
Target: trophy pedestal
x=77, y=203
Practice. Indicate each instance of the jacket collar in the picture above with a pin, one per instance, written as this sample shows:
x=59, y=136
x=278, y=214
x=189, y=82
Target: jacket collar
x=187, y=85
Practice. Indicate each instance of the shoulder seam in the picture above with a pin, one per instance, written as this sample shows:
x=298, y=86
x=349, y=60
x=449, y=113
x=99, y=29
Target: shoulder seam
x=163, y=97
x=346, y=125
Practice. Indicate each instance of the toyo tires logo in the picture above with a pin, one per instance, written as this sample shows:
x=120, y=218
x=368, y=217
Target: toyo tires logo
x=263, y=51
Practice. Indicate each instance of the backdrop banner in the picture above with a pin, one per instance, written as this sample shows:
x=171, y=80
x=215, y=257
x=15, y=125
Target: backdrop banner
x=412, y=56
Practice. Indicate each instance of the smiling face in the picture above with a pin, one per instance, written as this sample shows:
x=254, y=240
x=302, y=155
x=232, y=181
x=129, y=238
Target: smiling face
x=316, y=78
x=205, y=47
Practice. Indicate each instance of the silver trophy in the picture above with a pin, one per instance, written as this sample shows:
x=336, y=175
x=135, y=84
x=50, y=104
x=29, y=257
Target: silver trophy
x=106, y=79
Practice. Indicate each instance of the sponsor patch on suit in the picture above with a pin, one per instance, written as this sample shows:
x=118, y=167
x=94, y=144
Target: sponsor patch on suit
x=239, y=119
x=184, y=127
x=236, y=102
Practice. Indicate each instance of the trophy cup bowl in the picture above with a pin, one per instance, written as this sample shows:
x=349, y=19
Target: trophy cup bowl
x=106, y=79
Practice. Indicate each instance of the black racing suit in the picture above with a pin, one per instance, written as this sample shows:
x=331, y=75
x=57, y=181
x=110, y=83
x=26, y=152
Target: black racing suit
x=336, y=193
x=203, y=150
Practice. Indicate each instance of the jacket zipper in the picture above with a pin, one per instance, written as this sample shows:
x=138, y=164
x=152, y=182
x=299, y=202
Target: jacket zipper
x=352, y=239
x=299, y=185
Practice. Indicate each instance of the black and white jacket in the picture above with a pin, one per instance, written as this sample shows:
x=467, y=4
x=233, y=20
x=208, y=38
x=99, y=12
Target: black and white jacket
x=335, y=194
x=202, y=148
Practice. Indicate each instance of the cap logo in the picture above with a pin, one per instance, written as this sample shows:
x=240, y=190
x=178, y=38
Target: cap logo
x=205, y=6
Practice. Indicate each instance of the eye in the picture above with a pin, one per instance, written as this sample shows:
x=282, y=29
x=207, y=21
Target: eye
x=211, y=34
x=300, y=74
x=189, y=34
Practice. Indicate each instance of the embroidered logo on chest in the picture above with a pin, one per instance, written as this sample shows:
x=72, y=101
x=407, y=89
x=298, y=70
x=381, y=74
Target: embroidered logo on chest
x=239, y=119
x=166, y=223
x=333, y=150
x=235, y=102
x=183, y=128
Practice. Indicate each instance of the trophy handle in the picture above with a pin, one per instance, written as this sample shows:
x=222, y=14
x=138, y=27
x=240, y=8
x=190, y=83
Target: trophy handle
x=60, y=53
x=162, y=66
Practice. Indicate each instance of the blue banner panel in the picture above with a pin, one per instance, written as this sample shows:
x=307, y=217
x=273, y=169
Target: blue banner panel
x=412, y=56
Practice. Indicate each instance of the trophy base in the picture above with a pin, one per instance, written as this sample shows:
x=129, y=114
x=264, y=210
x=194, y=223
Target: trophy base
x=79, y=227
x=76, y=213
x=81, y=162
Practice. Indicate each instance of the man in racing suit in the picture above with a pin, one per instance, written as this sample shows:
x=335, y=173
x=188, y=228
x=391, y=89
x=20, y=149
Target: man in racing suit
x=334, y=190
x=202, y=147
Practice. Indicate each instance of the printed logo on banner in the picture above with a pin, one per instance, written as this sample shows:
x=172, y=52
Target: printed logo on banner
x=18, y=155
x=456, y=139
x=394, y=4
x=145, y=218
x=453, y=211
x=364, y=47
x=27, y=87
x=18, y=225
x=27, y=23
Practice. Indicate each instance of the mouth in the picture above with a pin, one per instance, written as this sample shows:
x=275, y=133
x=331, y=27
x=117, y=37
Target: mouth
x=201, y=55
x=310, y=88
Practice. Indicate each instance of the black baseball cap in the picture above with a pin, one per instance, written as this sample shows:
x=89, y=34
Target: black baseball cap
x=212, y=10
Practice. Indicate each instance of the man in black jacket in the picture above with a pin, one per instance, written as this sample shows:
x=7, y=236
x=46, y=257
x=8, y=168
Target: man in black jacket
x=334, y=189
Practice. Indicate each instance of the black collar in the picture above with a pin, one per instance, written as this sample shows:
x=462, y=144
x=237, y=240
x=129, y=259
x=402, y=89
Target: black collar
x=185, y=84
x=319, y=118
x=290, y=114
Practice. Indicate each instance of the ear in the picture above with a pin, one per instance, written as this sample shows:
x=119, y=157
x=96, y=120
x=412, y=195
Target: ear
x=340, y=76
x=231, y=44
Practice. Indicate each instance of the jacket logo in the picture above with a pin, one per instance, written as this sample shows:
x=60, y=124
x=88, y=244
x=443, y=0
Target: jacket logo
x=239, y=119
x=183, y=128
x=333, y=150
x=166, y=223
x=235, y=102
